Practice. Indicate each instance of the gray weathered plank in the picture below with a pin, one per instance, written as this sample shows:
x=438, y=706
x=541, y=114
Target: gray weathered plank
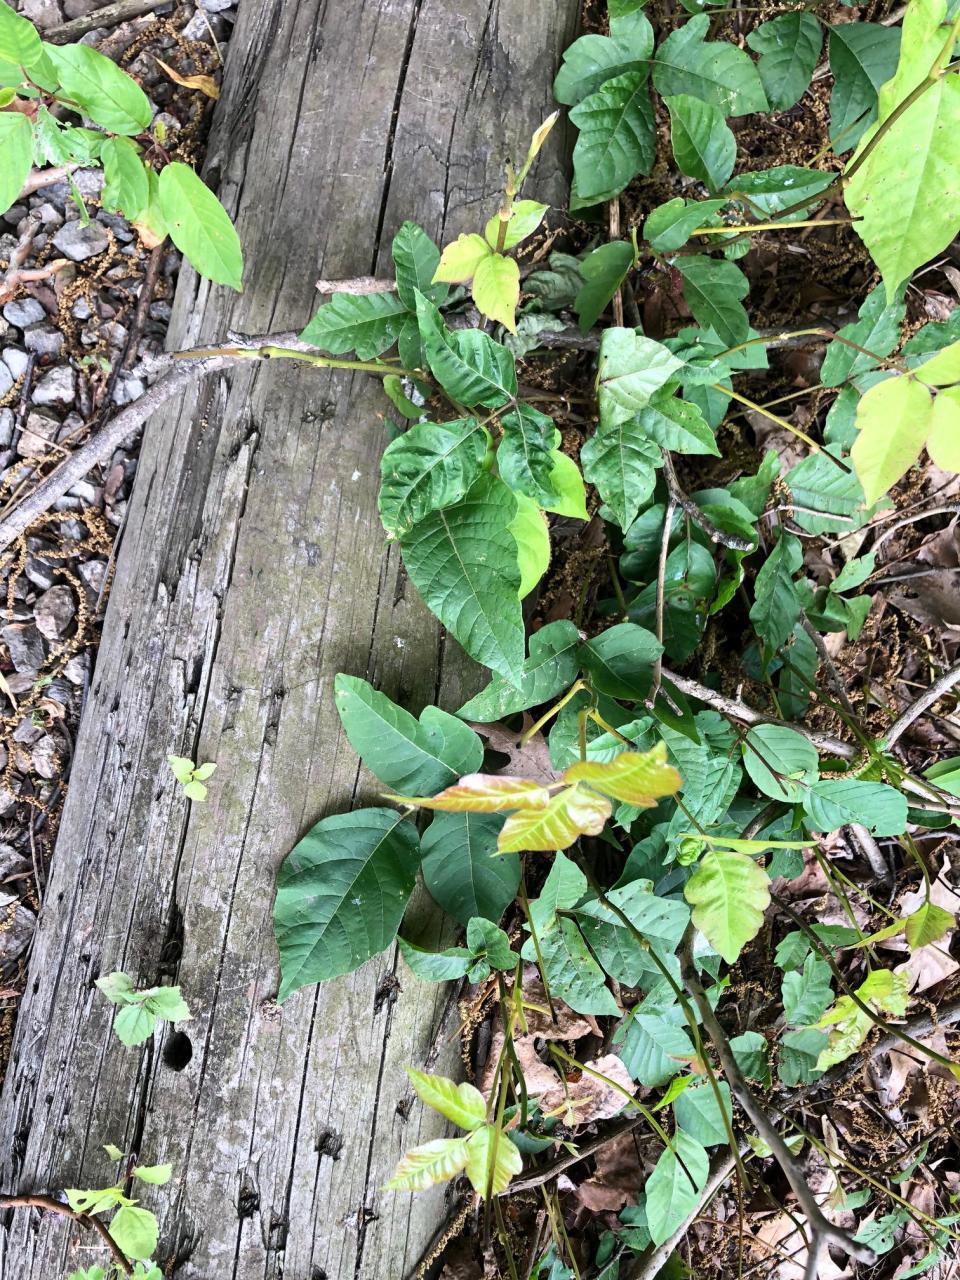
x=252, y=570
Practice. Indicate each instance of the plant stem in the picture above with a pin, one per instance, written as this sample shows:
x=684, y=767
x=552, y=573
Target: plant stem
x=681, y=499
x=85, y=1220
x=750, y=227
x=937, y=690
x=781, y=422
x=378, y=367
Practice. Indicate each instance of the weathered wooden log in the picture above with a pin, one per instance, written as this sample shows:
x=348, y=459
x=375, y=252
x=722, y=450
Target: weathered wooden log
x=253, y=568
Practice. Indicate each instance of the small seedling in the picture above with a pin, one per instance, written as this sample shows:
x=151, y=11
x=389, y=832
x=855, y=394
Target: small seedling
x=133, y=1230
x=140, y=1010
x=191, y=776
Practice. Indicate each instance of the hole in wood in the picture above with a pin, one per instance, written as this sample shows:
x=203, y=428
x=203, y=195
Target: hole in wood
x=177, y=1050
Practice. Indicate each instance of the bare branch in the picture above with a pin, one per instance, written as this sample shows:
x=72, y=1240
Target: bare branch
x=937, y=690
x=690, y=508
x=110, y=15
x=84, y=1219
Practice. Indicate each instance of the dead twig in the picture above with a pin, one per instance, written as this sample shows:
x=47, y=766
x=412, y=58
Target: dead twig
x=85, y=1220
x=110, y=15
x=690, y=509
x=44, y=178
x=821, y=1229
x=358, y=285
x=937, y=690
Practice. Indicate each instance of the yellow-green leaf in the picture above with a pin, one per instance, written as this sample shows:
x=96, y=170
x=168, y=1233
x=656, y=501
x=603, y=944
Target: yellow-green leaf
x=524, y=220
x=729, y=893
x=483, y=793
x=492, y=1160
x=928, y=924
x=942, y=369
x=943, y=442
x=893, y=420
x=459, y=260
x=529, y=527
x=425, y=1166
x=637, y=778
x=464, y=1105
x=568, y=484
x=496, y=289
x=571, y=813
x=906, y=193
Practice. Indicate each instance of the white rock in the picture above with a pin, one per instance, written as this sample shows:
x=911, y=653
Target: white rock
x=56, y=387
x=23, y=312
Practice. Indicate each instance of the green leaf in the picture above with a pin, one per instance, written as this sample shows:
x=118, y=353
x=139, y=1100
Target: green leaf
x=489, y=941
x=670, y=225
x=415, y=261
x=751, y=1053
x=462, y=870
x=729, y=893
x=433, y=1162
x=703, y=146
x=618, y=138
x=655, y=1048
x=906, y=191
x=946, y=775
x=699, y=1116
x=525, y=456
x=821, y=486
x=674, y=1187
x=807, y=993
x=789, y=48
x=134, y=1231
x=678, y=425
x=799, y=1051
x=713, y=71
x=620, y=660
x=155, y=1174
x=408, y=755
x=593, y=59
x=776, y=607
x=563, y=888
x=621, y=462
x=492, y=1160
x=199, y=225
x=166, y=1003
x=126, y=187
x=772, y=190
x=603, y=272
x=863, y=55
x=496, y=289
x=781, y=762
x=631, y=368
x=461, y=1104
x=19, y=39
x=436, y=966
x=524, y=219
x=877, y=329
x=195, y=791
x=463, y=561
x=429, y=467
x=134, y=1024
x=117, y=987
x=712, y=288
x=660, y=920
x=16, y=147
x=572, y=973
x=893, y=420
x=551, y=667
x=468, y=364
x=835, y=802
x=928, y=924
x=341, y=893
x=107, y=95
x=367, y=324
x=532, y=536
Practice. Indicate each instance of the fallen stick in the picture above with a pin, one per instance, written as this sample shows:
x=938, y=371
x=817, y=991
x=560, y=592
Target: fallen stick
x=110, y=15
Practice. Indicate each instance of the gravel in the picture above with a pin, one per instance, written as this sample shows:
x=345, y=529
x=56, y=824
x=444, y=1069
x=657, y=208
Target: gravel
x=6, y=380
x=25, y=644
x=57, y=387
x=78, y=243
x=54, y=612
x=15, y=360
x=38, y=433
x=24, y=312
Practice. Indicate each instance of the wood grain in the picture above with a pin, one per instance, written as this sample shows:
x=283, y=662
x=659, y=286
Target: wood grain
x=253, y=568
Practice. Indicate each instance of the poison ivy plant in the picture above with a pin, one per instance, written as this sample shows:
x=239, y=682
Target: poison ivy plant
x=119, y=132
